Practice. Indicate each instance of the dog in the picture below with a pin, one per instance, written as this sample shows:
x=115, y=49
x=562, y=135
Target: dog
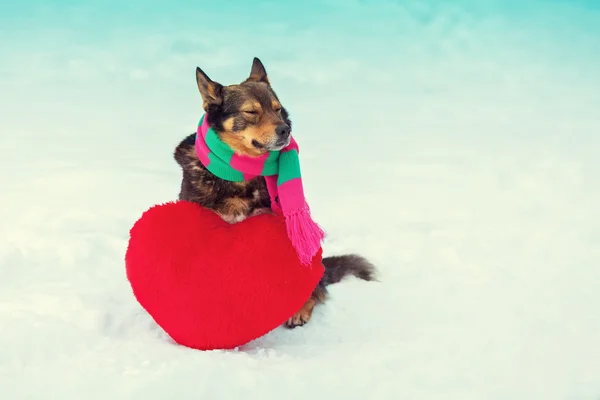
x=250, y=118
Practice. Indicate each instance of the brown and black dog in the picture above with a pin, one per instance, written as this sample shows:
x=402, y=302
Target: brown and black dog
x=250, y=118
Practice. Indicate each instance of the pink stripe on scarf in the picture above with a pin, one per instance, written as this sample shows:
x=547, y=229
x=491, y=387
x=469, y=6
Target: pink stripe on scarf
x=201, y=148
x=292, y=146
x=203, y=129
x=294, y=198
x=250, y=165
x=248, y=176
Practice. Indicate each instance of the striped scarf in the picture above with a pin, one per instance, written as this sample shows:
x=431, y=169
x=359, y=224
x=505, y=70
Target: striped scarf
x=281, y=170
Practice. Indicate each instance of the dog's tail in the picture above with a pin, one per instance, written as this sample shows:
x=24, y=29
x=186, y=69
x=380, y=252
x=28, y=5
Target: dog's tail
x=337, y=267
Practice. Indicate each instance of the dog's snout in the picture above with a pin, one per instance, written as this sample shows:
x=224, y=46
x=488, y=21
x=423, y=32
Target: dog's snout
x=283, y=131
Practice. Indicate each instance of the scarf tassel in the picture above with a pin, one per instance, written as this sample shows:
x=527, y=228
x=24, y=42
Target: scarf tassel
x=305, y=234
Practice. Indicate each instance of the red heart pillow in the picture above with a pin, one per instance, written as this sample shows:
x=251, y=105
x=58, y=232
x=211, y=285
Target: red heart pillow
x=214, y=285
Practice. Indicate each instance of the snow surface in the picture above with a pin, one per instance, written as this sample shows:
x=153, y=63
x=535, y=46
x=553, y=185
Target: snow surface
x=456, y=146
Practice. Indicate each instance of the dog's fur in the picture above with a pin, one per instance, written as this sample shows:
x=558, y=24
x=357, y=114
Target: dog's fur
x=251, y=120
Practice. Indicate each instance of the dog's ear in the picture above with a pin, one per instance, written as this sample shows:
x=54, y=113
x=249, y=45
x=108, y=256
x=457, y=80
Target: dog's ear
x=258, y=72
x=212, y=92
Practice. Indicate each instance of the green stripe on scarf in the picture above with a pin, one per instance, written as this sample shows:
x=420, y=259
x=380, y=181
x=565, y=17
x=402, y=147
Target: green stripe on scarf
x=271, y=166
x=290, y=160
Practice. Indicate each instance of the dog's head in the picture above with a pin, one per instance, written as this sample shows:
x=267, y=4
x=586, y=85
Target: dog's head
x=247, y=116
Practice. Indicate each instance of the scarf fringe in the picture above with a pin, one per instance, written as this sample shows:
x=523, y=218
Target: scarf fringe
x=305, y=234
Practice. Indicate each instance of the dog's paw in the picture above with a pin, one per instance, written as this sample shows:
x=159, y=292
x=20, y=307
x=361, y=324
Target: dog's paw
x=260, y=211
x=302, y=317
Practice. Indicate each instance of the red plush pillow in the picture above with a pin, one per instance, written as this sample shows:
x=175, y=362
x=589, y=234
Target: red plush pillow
x=214, y=285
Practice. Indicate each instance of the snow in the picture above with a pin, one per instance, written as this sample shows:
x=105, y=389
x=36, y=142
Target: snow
x=465, y=167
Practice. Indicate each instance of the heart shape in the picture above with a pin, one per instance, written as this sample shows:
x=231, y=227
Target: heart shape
x=214, y=285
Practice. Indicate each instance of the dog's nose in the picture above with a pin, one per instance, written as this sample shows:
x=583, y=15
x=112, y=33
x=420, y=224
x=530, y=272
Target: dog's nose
x=283, y=131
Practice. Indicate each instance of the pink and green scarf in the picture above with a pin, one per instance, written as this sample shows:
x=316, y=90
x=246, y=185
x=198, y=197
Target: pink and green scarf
x=281, y=170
